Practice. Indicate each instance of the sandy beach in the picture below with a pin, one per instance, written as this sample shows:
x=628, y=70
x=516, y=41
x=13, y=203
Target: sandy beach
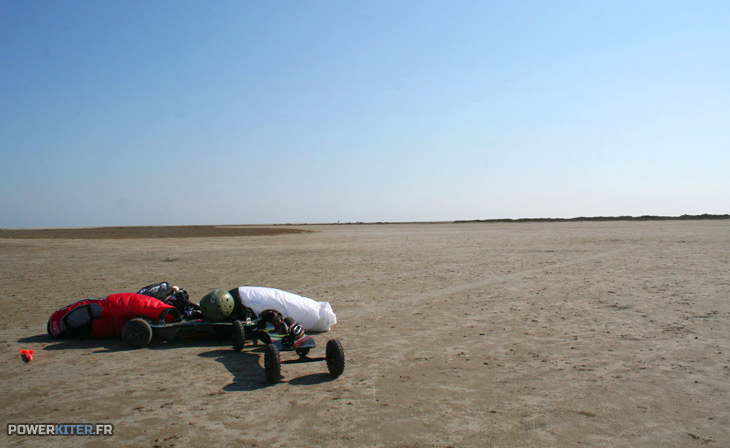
x=612, y=334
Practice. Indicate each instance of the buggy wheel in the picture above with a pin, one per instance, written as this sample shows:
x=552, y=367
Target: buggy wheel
x=335, y=356
x=137, y=333
x=302, y=352
x=48, y=328
x=272, y=363
x=239, y=335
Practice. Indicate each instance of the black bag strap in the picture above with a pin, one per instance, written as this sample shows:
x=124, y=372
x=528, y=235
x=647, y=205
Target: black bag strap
x=175, y=313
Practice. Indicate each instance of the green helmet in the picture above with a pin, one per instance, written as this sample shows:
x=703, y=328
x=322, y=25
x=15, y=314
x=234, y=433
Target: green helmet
x=217, y=305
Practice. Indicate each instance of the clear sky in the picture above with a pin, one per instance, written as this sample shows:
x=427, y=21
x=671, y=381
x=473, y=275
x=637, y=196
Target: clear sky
x=230, y=112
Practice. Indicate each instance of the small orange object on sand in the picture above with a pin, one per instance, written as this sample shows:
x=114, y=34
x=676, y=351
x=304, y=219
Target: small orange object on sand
x=26, y=355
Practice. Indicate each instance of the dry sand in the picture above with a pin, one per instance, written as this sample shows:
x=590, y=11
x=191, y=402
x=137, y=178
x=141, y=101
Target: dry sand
x=542, y=334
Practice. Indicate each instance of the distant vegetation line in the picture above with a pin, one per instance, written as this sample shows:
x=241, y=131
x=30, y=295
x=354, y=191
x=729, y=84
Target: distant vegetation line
x=605, y=218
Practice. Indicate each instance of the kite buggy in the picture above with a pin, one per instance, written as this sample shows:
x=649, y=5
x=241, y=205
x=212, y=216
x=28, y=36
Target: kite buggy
x=164, y=312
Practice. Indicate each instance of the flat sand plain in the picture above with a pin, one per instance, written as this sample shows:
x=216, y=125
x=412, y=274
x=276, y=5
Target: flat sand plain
x=611, y=334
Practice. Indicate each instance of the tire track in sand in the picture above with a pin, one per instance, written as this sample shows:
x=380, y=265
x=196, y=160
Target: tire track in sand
x=462, y=287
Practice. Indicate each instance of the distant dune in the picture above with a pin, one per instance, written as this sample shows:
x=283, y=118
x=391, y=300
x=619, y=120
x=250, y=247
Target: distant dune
x=148, y=232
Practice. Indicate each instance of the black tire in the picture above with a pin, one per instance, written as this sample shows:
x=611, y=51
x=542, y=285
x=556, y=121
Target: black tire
x=137, y=333
x=48, y=329
x=272, y=363
x=302, y=352
x=239, y=335
x=335, y=356
x=289, y=321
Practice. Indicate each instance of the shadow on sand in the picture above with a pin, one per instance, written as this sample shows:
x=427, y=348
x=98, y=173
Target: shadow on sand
x=245, y=366
x=112, y=345
x=248, y=373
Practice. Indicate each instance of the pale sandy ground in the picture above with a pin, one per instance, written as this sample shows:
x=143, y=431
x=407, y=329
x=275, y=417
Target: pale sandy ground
x=476, y=335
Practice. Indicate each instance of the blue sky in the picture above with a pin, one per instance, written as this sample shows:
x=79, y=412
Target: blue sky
x=231, y=112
